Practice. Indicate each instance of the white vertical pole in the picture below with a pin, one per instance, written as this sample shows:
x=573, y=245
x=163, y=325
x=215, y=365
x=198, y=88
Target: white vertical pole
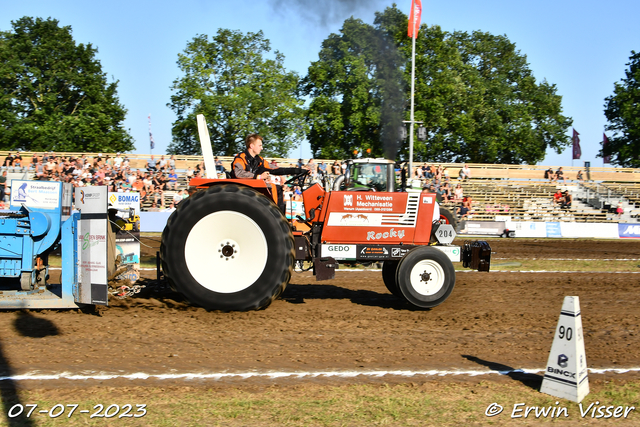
x=413, y=75
x=207, y=151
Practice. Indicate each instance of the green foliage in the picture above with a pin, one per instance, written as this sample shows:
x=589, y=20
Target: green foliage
x=474, y=92
x=53, y=93
x=357, y=93
x=622, y=110
x=240, y=91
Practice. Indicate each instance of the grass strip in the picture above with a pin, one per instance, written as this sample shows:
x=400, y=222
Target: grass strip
x=305, y=404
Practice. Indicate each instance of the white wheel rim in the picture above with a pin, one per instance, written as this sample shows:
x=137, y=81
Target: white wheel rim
x=430, y=270
x=244, y=246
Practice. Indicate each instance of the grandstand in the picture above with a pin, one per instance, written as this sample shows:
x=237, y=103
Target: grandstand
x=519, y=191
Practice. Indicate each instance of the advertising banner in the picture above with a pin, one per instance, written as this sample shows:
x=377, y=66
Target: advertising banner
x=126, y=207
x=484, y=228
x=35, y=194
x=553, y=229
x=629, y=231
x=593, y=230
x=92, y=245
x=530, y=229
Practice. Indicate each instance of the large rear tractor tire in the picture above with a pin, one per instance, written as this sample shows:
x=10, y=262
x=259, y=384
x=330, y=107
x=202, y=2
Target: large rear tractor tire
x=426, y=277
x=447, y=217
x=228, y=248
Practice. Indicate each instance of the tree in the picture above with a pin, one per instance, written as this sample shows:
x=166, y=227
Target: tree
x=474, y=93
x=239, y=91
x=622, y=110
x=53, y=93
x=357, y=93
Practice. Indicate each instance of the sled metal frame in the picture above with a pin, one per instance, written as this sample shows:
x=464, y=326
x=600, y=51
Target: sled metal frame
x=54, y=295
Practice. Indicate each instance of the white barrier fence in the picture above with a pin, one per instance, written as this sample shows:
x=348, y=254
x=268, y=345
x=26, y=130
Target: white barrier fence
x=155, y=222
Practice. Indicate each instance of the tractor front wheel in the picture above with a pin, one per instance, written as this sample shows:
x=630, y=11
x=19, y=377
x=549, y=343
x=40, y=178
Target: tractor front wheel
x=425, y=277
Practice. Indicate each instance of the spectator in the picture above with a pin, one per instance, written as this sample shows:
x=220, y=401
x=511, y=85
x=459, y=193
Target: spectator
x=8, y=161
x=158, y=194
x=465, y=172
x=3, y=185
x=172, y=162
x=50, y=167
x=162, y=164
x=138, y=185
x=200, y=168
x=620, y=209
x=322, y=167
x=313, y=167
x=39, y=169
x=17, y=160
x=560, y=175
x=172, y=180
x=219, y=166
x=438, y=173
x=468, y=202
x=428, y=173
x=548, y=174
x=159, y=180
x=297, y=194
x=152, y=164
x=579, y=176
x=462, y=211
x=566, y=200
x=557, y=198
x=446, y=193
x=336, y=168
x=117, y=161
x=177, y=198
x=458, y=193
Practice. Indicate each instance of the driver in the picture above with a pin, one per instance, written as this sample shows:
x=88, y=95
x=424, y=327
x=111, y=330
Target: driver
x=249, y=164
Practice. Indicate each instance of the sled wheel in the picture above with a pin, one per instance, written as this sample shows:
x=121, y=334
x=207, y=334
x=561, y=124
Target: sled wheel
x=446, y=217
x=389, y=269
x=26, y=281
x=228, y=248
x=425, y=277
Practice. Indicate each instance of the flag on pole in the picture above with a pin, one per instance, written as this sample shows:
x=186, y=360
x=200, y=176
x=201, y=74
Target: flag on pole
x=414, y=18
x=605, y=141
x=151, y=142
x=576, y=146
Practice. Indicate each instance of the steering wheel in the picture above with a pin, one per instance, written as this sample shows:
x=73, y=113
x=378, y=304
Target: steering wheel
x=298, y=178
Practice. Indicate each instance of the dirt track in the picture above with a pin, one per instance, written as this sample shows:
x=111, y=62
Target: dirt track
x=497, y=320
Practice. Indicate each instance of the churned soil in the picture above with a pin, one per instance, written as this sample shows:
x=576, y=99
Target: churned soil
x=494, y=320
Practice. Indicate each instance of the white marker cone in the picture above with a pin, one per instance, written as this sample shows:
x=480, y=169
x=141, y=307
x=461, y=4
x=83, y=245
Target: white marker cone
x=566, y=373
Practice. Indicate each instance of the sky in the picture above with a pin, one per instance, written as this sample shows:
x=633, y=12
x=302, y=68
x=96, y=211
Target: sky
x=582, y=47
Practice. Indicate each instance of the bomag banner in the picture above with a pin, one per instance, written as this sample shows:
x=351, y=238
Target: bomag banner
x=126, y=209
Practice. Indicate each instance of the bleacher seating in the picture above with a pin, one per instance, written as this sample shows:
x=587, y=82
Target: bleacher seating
x=493, y=187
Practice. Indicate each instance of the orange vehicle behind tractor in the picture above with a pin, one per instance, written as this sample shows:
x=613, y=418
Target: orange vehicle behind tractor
x=229, y=247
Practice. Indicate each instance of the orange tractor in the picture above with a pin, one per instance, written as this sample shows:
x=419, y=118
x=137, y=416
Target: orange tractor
x=229, y=247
